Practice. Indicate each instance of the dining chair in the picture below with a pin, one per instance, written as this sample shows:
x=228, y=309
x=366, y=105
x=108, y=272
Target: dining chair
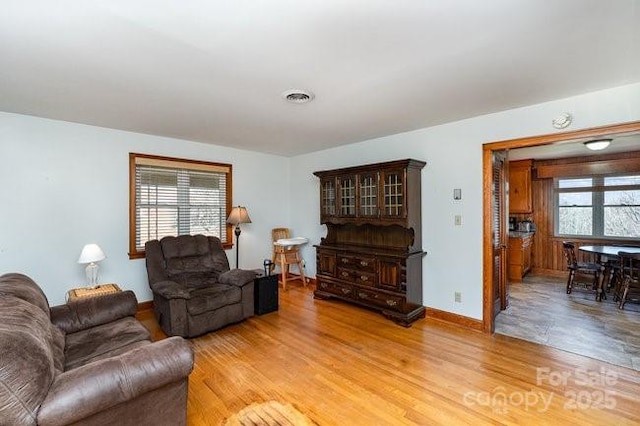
x=630, y=289
x=594, y=270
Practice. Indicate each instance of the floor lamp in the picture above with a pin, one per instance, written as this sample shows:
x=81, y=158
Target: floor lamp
x=237, y=216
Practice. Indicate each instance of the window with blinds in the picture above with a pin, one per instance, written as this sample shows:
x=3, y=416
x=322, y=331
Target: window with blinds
x=177, y=197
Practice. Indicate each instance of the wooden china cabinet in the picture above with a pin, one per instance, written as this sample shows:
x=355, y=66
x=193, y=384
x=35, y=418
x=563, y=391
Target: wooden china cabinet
x=372, y=254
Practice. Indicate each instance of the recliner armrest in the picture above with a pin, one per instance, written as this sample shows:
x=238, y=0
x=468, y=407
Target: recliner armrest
x=91, y=388
x=90, y=312
x=171, y=290
x=237, y=277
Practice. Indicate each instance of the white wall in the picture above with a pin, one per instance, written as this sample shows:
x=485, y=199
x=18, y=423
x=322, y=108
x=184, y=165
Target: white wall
x=65, y=185
x=453, y=153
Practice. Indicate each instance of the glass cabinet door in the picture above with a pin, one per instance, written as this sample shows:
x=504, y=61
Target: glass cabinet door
x=347, y=196
x=368, y=195
x=328, y=197
x=393, y=202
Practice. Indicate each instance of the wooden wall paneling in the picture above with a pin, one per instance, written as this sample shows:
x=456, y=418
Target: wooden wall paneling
x=548, y=256
x=626, y=162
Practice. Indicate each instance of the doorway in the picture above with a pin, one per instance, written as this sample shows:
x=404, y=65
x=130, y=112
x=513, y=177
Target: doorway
x=491, y=279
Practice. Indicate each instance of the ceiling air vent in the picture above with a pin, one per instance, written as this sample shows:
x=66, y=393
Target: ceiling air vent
x=296, y=96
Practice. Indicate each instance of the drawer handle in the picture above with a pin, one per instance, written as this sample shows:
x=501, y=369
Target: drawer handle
x=363, y=295
x=323, y=285
x=391, y=302
x=364, y=278
x=363, y=263
x=346, y=290
x=345, y=274
x=343, y=260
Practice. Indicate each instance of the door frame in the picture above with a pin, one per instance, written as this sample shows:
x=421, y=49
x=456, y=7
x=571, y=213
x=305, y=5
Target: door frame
x=530, y=141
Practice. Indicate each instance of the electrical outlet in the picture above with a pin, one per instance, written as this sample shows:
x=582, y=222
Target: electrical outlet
x=458, y=220
x=457, y=297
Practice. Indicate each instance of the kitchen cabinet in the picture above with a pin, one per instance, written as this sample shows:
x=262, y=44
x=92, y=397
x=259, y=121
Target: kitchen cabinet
x=520, y=199
x=372, y=253
x=519, y=255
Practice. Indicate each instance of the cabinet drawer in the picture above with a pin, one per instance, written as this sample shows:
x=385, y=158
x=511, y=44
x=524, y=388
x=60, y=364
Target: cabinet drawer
x=365, y=278
x=360, y=263
x=359, y=277
x=339, y=289
x=379, y=299
x=345, y=274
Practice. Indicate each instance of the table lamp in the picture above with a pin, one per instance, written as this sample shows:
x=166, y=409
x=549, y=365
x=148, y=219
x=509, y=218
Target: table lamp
x=91, y=253
x=237, y=216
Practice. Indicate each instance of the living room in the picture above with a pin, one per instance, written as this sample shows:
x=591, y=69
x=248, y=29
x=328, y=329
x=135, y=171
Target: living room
x=67, y=182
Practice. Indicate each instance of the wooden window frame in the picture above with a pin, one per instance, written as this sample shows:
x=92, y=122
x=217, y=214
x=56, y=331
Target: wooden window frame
x=136, y=159
x=597, y=190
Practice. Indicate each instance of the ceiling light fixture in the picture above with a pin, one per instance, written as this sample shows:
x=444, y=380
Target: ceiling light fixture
x=597, y=144
x=297, y=96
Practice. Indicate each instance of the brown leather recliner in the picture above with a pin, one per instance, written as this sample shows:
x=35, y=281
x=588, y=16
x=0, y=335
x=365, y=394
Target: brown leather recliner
x=194, y=291
x=89, y=362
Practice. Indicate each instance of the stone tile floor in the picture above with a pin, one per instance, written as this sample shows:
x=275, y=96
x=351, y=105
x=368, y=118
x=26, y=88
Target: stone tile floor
x=540, y=311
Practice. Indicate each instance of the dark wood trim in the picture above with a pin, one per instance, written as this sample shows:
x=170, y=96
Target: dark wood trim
x=488, y=148
x=456, y=319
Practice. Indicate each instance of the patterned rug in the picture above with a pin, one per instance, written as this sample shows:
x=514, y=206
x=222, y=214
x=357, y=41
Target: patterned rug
x=271, y=413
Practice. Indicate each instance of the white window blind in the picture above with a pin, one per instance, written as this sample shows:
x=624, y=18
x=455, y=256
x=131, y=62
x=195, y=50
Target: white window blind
x=178, y=197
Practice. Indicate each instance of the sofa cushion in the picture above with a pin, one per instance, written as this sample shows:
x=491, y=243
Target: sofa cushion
x=214, y=297
x=57, y=347
x=27, y=369
x=184, y=246
x=23, y=287
x=103, y=341
x=195, y=279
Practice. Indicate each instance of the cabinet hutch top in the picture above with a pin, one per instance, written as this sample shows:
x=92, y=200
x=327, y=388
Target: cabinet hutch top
x=408, y=163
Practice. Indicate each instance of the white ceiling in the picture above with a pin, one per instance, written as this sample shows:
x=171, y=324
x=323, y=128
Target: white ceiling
x=213, y=71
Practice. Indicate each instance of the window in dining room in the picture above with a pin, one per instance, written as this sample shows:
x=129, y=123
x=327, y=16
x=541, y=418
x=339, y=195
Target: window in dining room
x=598, y=206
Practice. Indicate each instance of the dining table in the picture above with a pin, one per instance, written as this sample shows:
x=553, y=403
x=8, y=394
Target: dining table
x=608, y=251
x=606, y=255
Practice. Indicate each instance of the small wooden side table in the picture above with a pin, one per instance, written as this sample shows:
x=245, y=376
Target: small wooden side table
x=83, y=292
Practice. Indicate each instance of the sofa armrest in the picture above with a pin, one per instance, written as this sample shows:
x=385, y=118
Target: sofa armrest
x=98, y=386
x=92, y=311
x=237, y=277
x=171, y=290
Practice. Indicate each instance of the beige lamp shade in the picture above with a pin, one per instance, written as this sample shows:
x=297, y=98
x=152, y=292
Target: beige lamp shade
x=238, y=215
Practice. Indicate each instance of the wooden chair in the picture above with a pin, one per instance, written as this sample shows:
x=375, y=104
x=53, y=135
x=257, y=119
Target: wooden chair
x=594, y=270
x=630, y=268
x=284, y=256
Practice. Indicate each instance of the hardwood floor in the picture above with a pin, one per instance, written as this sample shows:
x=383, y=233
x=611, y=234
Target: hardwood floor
x=342, y=365
x=540, y=311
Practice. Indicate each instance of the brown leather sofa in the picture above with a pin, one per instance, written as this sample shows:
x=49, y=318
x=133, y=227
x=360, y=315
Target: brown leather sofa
x=89, y=362
x=194, y=291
